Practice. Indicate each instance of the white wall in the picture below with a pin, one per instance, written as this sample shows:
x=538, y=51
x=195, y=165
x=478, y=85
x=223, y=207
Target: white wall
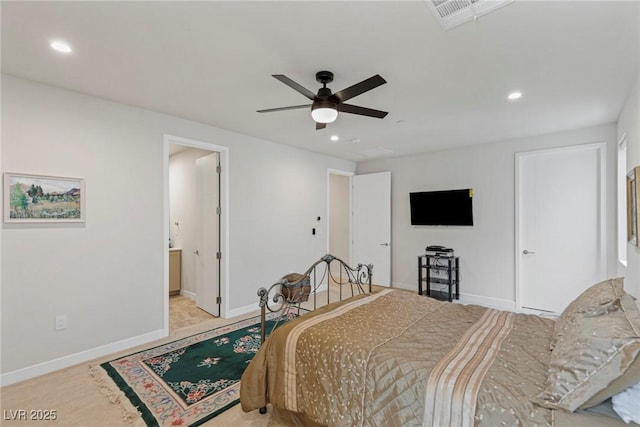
x=107, y=274
x=182, y=210
x=486, y=250
x=629, y=124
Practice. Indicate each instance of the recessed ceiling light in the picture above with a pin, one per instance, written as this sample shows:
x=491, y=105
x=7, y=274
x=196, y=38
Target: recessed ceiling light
x=514, y=95
x=60, y=46
x=334, y=138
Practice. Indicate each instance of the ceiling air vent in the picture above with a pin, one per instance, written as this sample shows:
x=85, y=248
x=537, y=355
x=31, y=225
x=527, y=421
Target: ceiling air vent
x=455, y=12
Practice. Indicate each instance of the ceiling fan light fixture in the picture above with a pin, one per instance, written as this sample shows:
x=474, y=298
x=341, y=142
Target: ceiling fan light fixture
x=324, y=111
x=324, y=115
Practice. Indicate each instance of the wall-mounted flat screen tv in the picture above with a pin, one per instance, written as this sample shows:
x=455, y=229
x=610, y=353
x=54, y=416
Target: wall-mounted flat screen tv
x=449, y=207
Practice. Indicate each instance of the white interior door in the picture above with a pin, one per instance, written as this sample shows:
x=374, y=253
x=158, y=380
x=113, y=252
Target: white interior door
x=207, y=261
x=560, y=225
x=371, y=225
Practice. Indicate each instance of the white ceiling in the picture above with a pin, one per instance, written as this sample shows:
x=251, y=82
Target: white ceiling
x=212, y=62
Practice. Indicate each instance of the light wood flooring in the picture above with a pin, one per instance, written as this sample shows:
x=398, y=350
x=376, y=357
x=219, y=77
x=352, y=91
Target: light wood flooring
x=78, y=401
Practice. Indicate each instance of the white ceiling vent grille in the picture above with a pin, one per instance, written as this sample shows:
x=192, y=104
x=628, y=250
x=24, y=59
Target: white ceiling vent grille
x=455, y=12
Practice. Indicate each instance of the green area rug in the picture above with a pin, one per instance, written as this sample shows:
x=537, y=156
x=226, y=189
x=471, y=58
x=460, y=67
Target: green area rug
x=191, y=380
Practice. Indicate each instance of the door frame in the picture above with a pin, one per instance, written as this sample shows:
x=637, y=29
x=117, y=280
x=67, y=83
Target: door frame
x=350, y=175
x=601, y=148
x=224, y=223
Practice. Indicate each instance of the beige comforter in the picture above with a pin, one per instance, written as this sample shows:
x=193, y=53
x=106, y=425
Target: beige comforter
x=394, y=358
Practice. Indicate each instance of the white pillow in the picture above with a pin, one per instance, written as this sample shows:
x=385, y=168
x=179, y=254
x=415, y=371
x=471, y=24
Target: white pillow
x=627, y=404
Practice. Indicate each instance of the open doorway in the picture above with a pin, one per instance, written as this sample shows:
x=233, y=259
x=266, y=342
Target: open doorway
x=359, y=220
x=339, y=214
x=195, y=197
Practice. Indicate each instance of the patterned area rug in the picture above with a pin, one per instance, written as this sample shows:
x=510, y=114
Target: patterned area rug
x=191, y=380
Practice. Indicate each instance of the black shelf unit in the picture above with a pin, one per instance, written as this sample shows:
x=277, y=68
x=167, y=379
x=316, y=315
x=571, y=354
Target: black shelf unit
x=442, y=270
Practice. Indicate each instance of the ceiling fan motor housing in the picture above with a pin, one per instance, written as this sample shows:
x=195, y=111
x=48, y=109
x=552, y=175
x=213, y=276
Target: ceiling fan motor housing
x=324, y=77
x=324, y=103
x=324, y=99
x=325, y=93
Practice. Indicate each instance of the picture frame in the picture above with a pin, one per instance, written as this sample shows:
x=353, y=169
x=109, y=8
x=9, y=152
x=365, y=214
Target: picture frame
x=633, y=206
x=43, y=199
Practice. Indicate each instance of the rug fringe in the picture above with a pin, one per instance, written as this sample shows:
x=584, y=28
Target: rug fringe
x=130, y=413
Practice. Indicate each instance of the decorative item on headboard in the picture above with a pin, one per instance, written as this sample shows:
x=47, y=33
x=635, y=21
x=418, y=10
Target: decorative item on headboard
x=290, y=291
x=296, y=287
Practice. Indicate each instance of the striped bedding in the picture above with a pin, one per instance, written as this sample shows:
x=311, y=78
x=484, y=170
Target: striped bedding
x=394, y=358
x=453, y=384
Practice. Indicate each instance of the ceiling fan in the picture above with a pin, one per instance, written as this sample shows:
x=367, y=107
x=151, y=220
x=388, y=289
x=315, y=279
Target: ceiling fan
x=326, y=105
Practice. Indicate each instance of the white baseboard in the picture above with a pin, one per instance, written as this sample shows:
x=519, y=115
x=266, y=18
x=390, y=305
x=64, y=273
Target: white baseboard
x=76, y=358
x=188, y=294
x=398, y=285
x=255, y=306
x=541, y=313
x=498, y=304
x=242, y=310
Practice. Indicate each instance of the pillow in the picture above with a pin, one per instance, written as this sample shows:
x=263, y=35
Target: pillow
x=598, y=295
x=596, y=357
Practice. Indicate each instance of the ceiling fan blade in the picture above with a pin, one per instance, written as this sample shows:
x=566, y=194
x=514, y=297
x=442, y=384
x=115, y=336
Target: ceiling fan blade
x=320, y=126
x=293, y=107
x=358, y=88
x=354, y=109
x=295, y=86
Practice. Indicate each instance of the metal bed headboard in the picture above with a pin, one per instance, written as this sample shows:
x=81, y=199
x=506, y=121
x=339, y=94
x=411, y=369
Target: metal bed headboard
x=286, y=295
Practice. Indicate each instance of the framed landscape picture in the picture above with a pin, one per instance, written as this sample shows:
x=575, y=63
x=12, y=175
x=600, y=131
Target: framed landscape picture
x=38, y=198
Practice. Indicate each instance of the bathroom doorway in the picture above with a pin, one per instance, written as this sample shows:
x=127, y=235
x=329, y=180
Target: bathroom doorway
x=196, y=226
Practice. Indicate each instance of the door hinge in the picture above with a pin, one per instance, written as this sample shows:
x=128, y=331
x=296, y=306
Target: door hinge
x=218, y=300
x=219, y=210
x=219, y=255
x=218, y=169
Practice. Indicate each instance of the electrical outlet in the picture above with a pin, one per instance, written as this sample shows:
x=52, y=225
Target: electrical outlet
x=61, y=322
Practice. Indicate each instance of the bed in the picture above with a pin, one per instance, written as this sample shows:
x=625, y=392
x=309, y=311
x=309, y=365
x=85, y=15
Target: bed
x=394, y=358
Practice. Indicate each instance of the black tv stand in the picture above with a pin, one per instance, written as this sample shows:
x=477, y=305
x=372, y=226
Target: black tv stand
x=442, y=270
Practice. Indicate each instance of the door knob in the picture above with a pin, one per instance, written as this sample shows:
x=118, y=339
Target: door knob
x=526, y=252
x=384, y=244
x=197, y=252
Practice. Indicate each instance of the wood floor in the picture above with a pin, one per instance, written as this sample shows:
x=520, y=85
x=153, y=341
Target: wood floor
x=78, y=401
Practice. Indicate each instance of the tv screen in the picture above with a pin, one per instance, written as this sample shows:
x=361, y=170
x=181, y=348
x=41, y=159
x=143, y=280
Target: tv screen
x=450, y=207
